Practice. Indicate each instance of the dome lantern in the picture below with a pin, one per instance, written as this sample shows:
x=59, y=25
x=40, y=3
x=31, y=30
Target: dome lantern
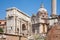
x=42, y=8
x=42, y=11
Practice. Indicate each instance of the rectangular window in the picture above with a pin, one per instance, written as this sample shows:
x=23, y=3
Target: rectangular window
x=0, y=22
x=5, y=22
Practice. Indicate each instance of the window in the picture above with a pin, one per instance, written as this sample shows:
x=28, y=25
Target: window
x=17, y=30
x=5, y=22
x=10, y=17
x=23, y=27
x=42, y=15
x=0, y=22
x=11, y=27
x=33, y=30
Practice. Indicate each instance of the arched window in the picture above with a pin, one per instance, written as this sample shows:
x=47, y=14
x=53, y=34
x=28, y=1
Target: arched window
x=23, y=27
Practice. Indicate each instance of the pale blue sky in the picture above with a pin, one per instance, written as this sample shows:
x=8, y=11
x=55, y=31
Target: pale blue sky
x=27, y=6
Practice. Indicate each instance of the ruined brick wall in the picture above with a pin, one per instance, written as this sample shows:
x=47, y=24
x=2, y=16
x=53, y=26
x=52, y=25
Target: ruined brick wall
x=54, y=33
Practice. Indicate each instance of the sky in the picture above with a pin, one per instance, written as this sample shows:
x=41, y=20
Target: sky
x=28, y=6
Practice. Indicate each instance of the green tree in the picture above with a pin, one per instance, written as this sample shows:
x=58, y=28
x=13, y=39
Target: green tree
x=1, y=30
x=38, y=37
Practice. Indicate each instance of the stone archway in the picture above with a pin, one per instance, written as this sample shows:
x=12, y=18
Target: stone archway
x=23, y=27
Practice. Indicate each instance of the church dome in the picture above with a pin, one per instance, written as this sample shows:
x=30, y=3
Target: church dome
x=42, y=11
x=42, y=8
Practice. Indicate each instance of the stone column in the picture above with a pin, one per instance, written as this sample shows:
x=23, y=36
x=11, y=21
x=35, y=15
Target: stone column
x=41, y=28
x=20, y=26
x=53, y=6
